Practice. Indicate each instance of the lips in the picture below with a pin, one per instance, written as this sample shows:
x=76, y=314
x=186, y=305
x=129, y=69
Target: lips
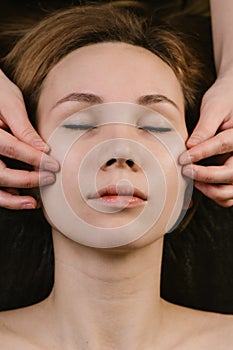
x=119, y=196
x=119, y=191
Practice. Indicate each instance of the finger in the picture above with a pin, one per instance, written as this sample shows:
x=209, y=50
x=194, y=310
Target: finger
x=221, y=194
x=13, y=148
x=209, y=174
x=211, y=117
x=220, y=144
x=216, y=192
x=13, y=113
x=14, y=202
x=25, y=179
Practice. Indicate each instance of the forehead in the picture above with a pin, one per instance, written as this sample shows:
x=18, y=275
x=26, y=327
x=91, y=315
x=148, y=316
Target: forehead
x=117, y=71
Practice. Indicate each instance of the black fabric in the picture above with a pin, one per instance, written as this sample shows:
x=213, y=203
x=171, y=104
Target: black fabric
x=198, y=262
x=26, y=258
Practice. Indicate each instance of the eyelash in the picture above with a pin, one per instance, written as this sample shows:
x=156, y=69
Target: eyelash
x=79, y=126
x=90, y=127
x=155, y=129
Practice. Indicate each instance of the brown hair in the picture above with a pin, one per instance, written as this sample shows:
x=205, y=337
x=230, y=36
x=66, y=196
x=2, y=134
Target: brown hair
x=33, y=56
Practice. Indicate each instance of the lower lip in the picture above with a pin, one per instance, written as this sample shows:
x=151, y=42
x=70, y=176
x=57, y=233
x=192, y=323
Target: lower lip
x=120, y=201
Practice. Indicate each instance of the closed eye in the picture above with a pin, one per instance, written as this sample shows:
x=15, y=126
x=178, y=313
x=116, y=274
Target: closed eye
x=90, y=127
x=79, y=126
x=156, y=129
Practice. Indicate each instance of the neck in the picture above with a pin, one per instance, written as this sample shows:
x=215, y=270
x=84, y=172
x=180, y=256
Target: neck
x=106, y=299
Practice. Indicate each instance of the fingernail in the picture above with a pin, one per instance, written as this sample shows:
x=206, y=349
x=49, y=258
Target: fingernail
x=28, y=206
x=39, y=144
x=47, y=180
x=185, y=158
x=51, y=166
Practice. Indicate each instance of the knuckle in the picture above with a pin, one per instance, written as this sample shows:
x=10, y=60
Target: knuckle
x=28, y=180
x=27, y=133
x=9, y=151
x=224, y=146
x=207, y=106
x=207, y=177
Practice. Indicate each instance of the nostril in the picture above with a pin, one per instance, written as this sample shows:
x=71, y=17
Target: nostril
x=130, y=162
x=111, y=161
x=121, y=161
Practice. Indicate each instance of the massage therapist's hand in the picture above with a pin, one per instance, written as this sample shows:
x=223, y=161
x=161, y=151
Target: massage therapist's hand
x=24, y=144
x=213, y=135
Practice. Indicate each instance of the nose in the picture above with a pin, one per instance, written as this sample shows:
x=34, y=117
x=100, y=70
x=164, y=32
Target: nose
x=120, y=153
x=120, y=163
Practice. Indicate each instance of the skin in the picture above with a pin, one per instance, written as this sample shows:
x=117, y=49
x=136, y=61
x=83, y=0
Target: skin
x=110, y=298
x=26, y=145
x=92, y=81
x=216, y=114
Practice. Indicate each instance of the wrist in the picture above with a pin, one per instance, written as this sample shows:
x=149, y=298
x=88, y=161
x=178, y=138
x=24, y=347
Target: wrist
x=225, y=71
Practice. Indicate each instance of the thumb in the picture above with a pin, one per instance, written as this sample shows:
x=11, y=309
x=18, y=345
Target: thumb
x=16, y=119
x=13, y=114
x=18, y=122
x=29, y=135
x=209, y=122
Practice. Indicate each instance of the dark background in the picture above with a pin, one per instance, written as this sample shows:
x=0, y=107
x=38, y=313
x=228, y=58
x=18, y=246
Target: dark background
x=198, y=262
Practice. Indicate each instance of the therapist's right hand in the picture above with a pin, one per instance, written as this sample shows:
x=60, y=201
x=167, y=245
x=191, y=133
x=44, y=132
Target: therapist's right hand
x=20, y=141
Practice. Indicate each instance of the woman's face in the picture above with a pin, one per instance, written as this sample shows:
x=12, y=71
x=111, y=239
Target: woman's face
x=112, y=153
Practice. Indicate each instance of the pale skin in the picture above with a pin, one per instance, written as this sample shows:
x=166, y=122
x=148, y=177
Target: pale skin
x=110, y=298
x=215, y=114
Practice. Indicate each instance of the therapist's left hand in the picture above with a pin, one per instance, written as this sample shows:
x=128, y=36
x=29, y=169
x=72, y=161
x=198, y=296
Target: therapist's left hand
x=213, y=136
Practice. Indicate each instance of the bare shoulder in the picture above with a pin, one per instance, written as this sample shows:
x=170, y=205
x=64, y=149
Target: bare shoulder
x=200, y=329
x=18, y=329
x=215, y=331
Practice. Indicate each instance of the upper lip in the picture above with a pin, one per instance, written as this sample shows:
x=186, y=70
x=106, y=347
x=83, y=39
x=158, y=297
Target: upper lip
x=120, y=190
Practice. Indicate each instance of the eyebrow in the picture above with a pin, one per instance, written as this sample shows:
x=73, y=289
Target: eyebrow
x=155, y=98
x=81, y=97
x=93, y=99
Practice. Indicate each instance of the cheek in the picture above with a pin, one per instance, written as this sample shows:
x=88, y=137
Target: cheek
x=172, y=204
x=173, y=179
x=172, y=201
x=70, y=173
x=46, y=129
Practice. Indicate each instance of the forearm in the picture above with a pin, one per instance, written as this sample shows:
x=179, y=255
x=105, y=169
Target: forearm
x=222, y=29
